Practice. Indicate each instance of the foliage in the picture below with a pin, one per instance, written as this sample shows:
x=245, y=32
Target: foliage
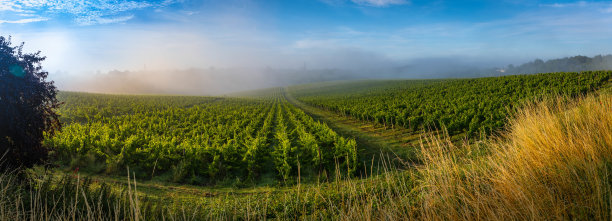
x=553, y=162
x=199, y=140
x=460, y=105
x=568, y=64
x=27, y=106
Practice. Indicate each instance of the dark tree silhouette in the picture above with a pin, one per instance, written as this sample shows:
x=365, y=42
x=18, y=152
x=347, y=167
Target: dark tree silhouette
x=27, y=106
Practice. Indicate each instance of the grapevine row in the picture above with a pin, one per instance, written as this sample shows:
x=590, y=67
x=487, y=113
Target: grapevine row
x=462, y=106
x=199, y=140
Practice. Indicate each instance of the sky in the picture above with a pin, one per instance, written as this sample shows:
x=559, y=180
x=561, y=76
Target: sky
x=84, y=37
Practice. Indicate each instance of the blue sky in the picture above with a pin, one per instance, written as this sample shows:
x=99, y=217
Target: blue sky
x=80, y=36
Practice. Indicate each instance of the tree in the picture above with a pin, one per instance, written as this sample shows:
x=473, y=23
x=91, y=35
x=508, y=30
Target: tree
x=27, y=106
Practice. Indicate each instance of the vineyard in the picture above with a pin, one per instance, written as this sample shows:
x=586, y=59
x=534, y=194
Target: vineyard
x=198, y=140
x=462, y=106
x=261, y=137
x=243, y=152
x=134, y=110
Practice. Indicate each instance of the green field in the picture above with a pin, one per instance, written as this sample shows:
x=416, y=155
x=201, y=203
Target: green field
x=198, y=140
x=347, y=150
x=274, y=135
x=461, y=106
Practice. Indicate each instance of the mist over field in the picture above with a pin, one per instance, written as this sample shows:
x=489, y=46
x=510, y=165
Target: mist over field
x=197, y=81
x=213, y=81
x=218, y=81
x=208, y=47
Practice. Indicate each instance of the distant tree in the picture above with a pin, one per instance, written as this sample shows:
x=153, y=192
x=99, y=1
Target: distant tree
x=27, y=106
x=567, y=64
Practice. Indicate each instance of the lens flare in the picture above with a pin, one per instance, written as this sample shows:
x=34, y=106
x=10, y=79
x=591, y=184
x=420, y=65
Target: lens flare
x=17, y=70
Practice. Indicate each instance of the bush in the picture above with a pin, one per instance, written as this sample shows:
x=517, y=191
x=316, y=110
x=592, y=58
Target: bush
x=27, y=106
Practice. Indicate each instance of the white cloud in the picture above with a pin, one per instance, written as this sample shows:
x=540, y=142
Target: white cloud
x=607, y=10
x=7, y=5
x=603, y=7
x=316, y=43
x=84, y=12
x=370, y=3
x=23, y=21
x=100, y=20
x=380, y=3
x=567, y=5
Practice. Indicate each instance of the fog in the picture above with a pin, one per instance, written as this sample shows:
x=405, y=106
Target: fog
x=174, y=60
x=216, y=81
x=219, y=81
x=193, y=81
x=212, y=48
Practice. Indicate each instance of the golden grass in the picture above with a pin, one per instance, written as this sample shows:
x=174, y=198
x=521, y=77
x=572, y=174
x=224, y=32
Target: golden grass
x=554, y=163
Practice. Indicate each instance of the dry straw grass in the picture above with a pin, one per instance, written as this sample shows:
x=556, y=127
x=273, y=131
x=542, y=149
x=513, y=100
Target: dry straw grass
x=555, y=162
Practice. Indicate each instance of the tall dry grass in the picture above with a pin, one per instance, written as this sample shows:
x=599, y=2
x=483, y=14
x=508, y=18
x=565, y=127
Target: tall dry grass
x=555, y=162
x=64, y=198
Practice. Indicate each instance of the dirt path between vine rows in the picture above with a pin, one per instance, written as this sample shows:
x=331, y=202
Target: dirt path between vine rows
x=398, y=144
